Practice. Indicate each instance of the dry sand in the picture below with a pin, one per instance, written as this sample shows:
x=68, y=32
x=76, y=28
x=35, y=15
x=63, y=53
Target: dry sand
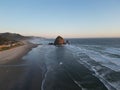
x=16, y=53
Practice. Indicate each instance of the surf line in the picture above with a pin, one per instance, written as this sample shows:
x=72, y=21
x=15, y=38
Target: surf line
x=75, y=81
x=43, y=81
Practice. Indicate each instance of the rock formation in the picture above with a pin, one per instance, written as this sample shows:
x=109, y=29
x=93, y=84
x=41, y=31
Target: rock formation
x=59, y=41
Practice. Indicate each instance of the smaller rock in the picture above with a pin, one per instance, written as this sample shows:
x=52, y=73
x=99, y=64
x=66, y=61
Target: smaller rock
x=67, y=42
x=50, y=43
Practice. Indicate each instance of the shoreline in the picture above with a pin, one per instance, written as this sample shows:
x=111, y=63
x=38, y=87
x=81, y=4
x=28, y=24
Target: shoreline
x=16, y=53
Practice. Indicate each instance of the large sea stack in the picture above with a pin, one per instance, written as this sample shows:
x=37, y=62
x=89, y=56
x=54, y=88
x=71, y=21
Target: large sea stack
x=59, y=41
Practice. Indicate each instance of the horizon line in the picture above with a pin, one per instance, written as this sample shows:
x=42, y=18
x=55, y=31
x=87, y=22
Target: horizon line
x=83, y=37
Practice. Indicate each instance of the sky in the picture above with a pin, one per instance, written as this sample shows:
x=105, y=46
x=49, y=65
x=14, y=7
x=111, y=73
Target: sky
x=68, y=18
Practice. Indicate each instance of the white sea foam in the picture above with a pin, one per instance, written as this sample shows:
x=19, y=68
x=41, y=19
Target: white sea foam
x=43, y=82
x=76, y=82
x=60, y=63
x=113, y=50
x=103, y=60
x=112, y=63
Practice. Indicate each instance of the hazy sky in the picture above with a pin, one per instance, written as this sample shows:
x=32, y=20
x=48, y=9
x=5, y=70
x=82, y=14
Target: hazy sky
x=69, y=18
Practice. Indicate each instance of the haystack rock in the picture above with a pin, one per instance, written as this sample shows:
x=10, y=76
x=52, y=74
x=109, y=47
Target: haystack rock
x=59, y=41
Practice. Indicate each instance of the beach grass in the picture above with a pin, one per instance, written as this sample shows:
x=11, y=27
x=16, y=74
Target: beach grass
x=7, y=47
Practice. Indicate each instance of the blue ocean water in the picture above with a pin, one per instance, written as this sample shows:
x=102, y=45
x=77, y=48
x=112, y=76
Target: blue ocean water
x=99, y=55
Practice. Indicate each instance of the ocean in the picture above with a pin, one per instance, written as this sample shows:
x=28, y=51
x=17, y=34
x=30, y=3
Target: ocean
x=102, y=56
x=84, y=64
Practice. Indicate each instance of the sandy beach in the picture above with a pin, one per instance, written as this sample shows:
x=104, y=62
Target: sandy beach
x=16, y=53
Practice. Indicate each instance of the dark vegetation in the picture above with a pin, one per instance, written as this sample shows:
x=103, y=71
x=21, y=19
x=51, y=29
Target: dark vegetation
x=6, y=38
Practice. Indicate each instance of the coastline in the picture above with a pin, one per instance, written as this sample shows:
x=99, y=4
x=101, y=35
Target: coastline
x=16, y=53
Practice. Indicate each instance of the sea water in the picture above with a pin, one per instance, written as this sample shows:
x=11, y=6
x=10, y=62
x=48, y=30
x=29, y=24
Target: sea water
x=100, y=57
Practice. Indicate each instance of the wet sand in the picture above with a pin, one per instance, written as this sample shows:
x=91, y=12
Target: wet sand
x=13, y=73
